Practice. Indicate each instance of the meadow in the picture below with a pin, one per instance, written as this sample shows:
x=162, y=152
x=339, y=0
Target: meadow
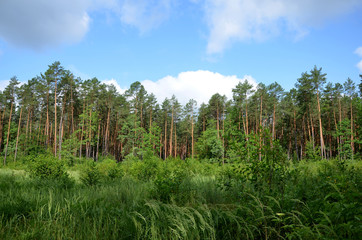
x=44, y=198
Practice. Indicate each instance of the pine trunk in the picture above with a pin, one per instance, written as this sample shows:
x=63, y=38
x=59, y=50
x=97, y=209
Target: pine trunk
x=99, y=128
x=171, y=131
x=217, y=120
x=1, y=127
x=17, y=136
x=323, y=148
x=107, y=133
x=273, y=131
x=192, y=132
x=352, y=144
x=55, y=118
x=7, y=139
x=165, y=144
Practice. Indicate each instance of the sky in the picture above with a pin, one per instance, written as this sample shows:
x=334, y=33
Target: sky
x=190, y=48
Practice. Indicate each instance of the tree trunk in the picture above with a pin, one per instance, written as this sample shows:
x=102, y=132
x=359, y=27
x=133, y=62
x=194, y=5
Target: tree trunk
x=17, y=136
x=340, y=119
x=171, y=131
x=90, y=132
x=260, y=124
x=239, y=127
x=165, y=144
x=323, y=148
x=60, y=136
x=203, y=123
x=55, y=116
x=352, y=144
x=61, y=124
x=81, y=135
x=311, y=123
x=150, y=121
x=223, y=135
x=175, y=153
x=7, y=140
x=192, y=132
x=246, y=117
x=107, y=133
x=336, y=125
x=1, y=127
x=160, y=146
x=273, y=131
x=72, y=107
x=47, y=139
x=99, y=128
x=295, y=134
x=217, y=120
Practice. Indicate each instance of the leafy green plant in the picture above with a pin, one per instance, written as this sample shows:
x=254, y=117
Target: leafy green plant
x=312, y=153
x=209, y=146
x=91, y=175
x=47, y=167
x=169, y=179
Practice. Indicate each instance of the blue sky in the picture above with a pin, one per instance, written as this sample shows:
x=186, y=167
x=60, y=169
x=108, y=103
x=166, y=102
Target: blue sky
x=191, y=48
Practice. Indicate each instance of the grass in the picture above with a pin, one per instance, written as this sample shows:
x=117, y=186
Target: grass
x=183, y=200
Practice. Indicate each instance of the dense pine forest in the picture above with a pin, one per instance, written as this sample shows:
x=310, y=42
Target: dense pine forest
x=80, y=160
x=86, y=118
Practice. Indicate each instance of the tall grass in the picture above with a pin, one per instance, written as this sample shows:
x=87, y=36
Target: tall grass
x=176, y=200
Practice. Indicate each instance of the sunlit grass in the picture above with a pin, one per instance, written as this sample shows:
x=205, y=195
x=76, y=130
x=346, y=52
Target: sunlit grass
x=319, y=201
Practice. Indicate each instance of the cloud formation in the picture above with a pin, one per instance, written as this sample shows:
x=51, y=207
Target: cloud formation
x=198, y=85
x=244, y=20
x=3, y=84
x=41, y=23
x=145, y=14
x=359, y=53
x=115, y=84
x=38, y=24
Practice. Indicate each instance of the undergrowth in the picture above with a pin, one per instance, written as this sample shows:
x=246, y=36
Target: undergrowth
x=175, y=199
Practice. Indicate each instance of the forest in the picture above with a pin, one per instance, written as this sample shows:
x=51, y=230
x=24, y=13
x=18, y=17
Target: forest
x=82, y=161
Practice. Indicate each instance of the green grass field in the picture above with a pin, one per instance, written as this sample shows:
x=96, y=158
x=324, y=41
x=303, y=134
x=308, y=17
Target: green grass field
x=174, y=199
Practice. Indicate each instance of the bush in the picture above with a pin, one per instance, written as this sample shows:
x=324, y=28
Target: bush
x=47, y=167
x=169, y=178
x=144, y=170
x=108, y=167
x=91, y=175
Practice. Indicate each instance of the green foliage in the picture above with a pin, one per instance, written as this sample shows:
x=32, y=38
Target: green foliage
x=344, y=134
x=188, y=200
x=312, y=152
x=108, y=167
x=47, y=167
x=209, y=146
x=91, y=175
x=169, y=179
x=144, y=170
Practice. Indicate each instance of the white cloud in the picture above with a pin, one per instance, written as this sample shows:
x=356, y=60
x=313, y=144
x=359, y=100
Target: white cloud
x=38, y=24
x=145, y=14
x=3, y=84
x=199, y=85
x=359, y=53
x=41, y=23
x=114, y=83
x=245, y=20
x=359, y=65
x=78, y=73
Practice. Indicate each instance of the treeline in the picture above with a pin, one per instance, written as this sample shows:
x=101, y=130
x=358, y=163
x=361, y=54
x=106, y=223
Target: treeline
x=85, y=118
